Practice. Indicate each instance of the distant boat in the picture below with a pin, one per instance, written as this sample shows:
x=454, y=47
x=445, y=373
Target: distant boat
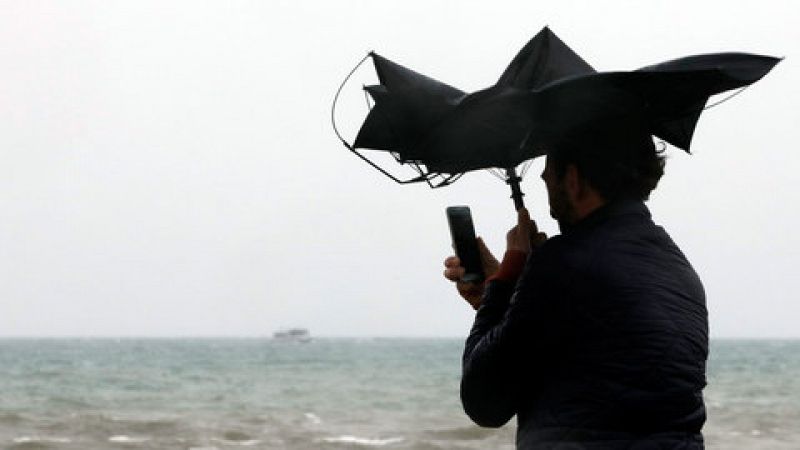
x=292, y=335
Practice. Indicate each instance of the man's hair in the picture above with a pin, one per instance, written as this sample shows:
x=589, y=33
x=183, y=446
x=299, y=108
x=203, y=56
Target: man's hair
x=621, y=164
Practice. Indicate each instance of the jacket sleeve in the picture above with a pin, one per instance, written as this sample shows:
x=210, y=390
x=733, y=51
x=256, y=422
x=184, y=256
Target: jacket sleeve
x=514, y=331
x=486, y=394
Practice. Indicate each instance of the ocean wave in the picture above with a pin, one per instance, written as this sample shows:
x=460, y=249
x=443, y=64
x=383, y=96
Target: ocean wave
x=37, y=442
x=243, y=443
x=367, y=442
x=40, y=439
x=121, y=438
x=11, y=419
x=70, y=402
x=146, y=425
x=467, y=433
x=313, y=418
x=235, y=437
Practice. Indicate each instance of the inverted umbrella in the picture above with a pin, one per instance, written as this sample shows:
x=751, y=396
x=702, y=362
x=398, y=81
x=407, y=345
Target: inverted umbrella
x=547, y=93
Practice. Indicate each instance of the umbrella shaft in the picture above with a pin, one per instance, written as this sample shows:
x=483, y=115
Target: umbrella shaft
x=516, y=193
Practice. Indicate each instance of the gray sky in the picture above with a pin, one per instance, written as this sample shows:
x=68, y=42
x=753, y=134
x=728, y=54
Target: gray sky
x=169, y=169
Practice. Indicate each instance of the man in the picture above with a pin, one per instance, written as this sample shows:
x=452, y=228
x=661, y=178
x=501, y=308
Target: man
x=596, y=338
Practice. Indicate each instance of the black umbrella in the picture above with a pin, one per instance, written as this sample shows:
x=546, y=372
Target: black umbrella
x=547, y=93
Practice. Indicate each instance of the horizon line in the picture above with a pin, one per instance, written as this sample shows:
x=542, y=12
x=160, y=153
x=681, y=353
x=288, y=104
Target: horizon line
x=270, y=337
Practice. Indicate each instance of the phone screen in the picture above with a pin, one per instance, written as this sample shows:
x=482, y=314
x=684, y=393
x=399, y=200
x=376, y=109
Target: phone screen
x=462, y=232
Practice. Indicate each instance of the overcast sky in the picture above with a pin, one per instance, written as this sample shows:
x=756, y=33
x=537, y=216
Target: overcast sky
x=169, y=168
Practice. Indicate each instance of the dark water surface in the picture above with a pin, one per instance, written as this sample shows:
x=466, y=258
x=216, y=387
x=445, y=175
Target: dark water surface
x=329, y=393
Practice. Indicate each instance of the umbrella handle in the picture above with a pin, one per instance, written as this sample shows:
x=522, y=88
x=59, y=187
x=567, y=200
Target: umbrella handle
x=516, y=193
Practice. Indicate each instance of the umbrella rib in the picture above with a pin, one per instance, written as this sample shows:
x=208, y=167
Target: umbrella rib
x=448, y=180
x=421, y=177
x=496, y=172
x=525, y=166
x=727, y=98
x=366, y=98
x=336, y=99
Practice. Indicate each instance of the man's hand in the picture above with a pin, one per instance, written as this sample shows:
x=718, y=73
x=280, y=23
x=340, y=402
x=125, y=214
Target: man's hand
x=525, y=235
x=522, y=238
x=472, y=292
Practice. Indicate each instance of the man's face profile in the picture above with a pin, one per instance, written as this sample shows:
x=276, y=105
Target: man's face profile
x=560, y=207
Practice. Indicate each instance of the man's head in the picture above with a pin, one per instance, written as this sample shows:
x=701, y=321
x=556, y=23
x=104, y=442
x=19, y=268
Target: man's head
x=590, y=169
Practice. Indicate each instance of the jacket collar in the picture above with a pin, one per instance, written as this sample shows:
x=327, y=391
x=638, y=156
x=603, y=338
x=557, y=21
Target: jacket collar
x=616, y=208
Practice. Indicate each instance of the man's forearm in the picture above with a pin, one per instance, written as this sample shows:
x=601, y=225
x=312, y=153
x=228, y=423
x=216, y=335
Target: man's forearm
x=486, y=391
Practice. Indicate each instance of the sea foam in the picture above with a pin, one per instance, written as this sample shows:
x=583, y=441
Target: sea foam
x=243, y=443
x=121, y=438
x=363, y=441
x=313, y=418
x=32, y=439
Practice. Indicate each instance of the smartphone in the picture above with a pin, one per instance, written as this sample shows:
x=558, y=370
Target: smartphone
x=462, y=231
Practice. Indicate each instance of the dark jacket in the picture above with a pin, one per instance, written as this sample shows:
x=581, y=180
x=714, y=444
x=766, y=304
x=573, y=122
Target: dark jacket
x=601, y=344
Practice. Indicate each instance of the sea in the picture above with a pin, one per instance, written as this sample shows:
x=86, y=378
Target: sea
x=392, y=393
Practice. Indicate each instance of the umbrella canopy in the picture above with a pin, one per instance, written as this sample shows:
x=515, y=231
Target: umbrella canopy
x=502, y=129
x=409, y=106
x=546, y=94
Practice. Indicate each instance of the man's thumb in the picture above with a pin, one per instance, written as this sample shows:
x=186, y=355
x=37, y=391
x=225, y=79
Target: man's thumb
x=523, y=219
x=482, y=248
x=486, y=255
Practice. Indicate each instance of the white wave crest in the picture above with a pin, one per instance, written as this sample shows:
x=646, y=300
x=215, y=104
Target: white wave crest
x=313, y=418
x=363, y=441
x=243, y=443
x=53, y=440
x=121, y=438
